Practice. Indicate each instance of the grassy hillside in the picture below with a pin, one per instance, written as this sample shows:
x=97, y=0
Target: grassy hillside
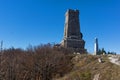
x=46, y=62
x=87, y=66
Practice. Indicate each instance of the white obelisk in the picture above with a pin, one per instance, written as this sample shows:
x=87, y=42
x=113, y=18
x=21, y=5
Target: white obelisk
x=96, y=47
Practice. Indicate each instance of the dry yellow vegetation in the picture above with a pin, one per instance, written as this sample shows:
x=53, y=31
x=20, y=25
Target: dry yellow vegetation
x=87, y=66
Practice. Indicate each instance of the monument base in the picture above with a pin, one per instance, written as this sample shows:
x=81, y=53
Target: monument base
x=74, y=45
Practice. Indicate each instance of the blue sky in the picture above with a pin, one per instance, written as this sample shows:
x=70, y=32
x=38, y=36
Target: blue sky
x=24, y=22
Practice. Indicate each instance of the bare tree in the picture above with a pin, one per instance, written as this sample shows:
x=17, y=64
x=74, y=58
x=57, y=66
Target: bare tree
x=36, y=63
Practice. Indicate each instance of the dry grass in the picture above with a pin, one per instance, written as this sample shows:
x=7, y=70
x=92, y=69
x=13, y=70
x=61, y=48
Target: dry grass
x=86, y=66
x=48, y=63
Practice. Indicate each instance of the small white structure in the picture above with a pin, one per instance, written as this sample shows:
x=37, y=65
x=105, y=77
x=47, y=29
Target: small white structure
x=103, y=53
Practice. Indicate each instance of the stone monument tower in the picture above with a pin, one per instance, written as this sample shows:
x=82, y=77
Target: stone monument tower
x=96, y=47
x=72, y=35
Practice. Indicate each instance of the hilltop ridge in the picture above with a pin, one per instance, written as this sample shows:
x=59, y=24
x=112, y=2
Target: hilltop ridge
x=46, y=62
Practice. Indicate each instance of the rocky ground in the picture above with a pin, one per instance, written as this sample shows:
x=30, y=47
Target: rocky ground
x=115, y=59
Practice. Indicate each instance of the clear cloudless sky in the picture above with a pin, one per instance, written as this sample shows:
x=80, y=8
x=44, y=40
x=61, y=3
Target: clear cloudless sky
x=24, y=22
